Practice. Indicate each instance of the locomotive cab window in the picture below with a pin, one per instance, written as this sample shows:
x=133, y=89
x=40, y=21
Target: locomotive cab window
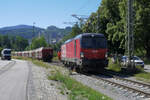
x=93, y=42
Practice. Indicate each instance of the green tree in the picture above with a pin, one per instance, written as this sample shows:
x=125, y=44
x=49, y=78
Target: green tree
x=20, y=43
x=111, y=18
x=38, y=42
x=142, y=27
x=75, y=31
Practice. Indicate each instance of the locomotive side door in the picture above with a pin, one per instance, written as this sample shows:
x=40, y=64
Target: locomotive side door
x=75, y=47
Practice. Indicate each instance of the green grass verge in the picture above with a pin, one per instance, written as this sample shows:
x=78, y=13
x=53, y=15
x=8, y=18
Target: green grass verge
x=144, y=76
x=140, y=74
x=114, y=67
x=21, y=58
x=55, y=58
x=77, y=90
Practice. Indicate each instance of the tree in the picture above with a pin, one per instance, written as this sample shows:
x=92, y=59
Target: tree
x=111, y=18
x=142, y=27
x=12, y=42
x=20, y=43
x=38, y=42
x=75, y=31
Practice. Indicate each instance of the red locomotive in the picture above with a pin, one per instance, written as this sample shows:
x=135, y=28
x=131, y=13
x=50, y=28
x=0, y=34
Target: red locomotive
x=86, y=52
x=43, y=53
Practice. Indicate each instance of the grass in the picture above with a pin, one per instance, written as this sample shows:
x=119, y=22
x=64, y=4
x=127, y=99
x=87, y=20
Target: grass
x=41, y=64
x=21, y=58
x=77, y=90
x=114, y=66
x=143, y=76
x=139, y=74
x=55, y=58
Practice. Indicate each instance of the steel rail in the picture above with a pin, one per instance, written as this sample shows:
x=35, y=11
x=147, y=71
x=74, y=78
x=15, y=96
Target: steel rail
x=123, y=86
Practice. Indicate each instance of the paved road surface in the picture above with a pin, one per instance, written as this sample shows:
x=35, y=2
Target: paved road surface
x=13, y=82
x=3, y=63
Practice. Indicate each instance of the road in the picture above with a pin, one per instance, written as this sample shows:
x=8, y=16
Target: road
x=13, y=80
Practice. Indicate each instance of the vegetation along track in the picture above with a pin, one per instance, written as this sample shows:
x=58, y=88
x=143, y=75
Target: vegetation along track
x=56, y=63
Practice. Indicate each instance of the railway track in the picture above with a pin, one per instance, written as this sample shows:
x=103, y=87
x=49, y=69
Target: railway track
x=136, y=89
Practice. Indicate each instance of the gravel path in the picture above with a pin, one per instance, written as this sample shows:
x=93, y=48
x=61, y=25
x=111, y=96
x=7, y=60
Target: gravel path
x=40, y=88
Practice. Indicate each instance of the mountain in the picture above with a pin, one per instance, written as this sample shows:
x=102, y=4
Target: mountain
x=51, y=33
x=56, y=34
x=16, y=27
x=25, y=31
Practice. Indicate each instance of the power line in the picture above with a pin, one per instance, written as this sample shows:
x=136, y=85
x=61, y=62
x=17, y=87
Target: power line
x=82, y=18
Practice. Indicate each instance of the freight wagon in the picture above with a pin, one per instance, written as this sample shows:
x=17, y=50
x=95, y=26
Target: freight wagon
x=86, y=52
x=43, y=53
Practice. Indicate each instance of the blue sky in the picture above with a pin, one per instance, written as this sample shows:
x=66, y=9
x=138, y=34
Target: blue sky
x=44, y=12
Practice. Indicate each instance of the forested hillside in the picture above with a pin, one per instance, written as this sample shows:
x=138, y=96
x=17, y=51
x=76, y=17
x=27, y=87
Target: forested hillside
x=28, y=32
x=14, y=42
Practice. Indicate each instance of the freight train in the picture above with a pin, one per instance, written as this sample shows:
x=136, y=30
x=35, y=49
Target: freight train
x=86, y=52
x=43, y=53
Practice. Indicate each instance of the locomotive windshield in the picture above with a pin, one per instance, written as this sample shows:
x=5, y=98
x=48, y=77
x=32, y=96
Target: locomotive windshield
x=93, y=42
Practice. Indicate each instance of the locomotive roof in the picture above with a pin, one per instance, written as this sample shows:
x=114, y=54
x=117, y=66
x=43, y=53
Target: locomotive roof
x=68, y=41
x=84, y=34
x=6, y=49
x=89, y=34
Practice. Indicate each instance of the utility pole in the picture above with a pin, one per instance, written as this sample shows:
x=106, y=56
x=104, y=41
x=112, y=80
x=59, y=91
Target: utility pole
x=33, y=30
x=97, y=22
x=130, y=24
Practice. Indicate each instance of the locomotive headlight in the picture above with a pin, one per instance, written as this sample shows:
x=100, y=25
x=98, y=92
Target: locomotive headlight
x=82, y=55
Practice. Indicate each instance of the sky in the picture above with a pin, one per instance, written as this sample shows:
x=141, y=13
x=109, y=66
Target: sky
x=44, y=12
